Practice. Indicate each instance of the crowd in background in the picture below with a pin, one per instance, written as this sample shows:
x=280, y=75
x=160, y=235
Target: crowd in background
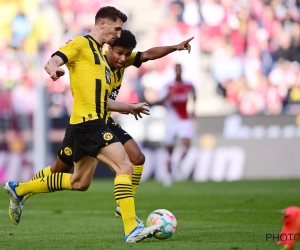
x=252, y=48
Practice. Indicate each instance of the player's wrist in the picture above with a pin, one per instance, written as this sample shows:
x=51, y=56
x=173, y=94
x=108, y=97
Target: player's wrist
x=130, y=108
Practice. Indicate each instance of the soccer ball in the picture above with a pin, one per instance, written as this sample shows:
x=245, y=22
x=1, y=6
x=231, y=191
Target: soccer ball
x=166, y=219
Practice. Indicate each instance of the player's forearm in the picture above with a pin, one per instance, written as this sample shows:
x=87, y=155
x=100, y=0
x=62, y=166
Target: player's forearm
x=113, y=105
x=157, y=52
x=52, y=65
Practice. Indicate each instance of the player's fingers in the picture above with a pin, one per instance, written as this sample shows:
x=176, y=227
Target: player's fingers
x=145, y=104
x=189, y=48
x=190, y=39
x=136, y=117
x=53, y=77
x=139, y=114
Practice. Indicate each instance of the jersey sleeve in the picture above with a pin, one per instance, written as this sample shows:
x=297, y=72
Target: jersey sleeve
x=70, y=51
x=135, y=60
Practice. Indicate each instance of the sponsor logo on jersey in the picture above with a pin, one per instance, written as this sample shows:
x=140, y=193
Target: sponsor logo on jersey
x=70, y=40
x=68, y=151
x=107, y=136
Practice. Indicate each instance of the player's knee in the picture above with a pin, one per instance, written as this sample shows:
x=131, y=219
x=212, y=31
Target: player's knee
x=80, y=186
x=138, y=159
x=60, y=169
x=58, y=166
x=125, y=168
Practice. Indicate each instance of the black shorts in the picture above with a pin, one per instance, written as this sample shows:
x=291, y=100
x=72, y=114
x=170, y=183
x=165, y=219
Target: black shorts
x=122, y=135
x=65, y=153
x=90, y=136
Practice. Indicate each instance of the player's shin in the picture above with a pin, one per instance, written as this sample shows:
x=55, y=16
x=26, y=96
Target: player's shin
x=50, y=183
x=136, y=177
x=42, y=173
x=125, y=200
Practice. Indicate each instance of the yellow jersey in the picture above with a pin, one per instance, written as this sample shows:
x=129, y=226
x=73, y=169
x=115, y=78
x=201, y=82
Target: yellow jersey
x=118, y=74
x=89, y=77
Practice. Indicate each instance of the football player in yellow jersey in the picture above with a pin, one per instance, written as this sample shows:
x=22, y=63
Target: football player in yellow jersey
x=119, y=56
x=93, y=139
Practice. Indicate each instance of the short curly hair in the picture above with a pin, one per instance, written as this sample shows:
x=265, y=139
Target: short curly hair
x=126, y=40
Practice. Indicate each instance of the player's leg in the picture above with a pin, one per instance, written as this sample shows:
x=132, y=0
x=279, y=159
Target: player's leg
x=186, y=142
x=64, y=159
x=17, y=191
x=59, y=181
x=84, y=170
x=185, y=134
x=137, y=158
x=170, y=149
x=169, y=142
x=115, y=156
x=57, y=167
x=133, y=151
x=51, y=183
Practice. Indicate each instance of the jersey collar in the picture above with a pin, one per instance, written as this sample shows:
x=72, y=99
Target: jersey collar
x=98, y=44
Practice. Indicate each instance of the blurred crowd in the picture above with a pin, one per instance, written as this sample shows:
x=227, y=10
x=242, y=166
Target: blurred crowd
x=255, y=53
x=253, y=47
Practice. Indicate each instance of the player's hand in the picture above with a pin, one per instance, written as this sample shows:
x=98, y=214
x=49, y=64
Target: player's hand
x=137, y=109
x=185, y=45
x=56, y=74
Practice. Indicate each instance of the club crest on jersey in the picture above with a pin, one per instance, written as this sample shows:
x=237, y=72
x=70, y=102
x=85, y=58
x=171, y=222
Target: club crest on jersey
x=107, y=136
x=107, y=75
x=90, y=116
x=68, y=151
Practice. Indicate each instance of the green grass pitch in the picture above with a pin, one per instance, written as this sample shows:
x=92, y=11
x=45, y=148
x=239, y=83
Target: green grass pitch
x=211, y=216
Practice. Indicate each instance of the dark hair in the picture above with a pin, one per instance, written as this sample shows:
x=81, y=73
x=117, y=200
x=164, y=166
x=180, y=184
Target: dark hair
x=126, y=40
x=111, y=13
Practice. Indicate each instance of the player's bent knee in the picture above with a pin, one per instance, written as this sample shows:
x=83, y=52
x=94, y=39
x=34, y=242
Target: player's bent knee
x=125, y=169
x=138, y=159
x=60, y=169
x=80, y=186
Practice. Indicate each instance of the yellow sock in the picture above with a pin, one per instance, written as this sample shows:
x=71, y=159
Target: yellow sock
x=43, y=173
x=50, y=183
x=136, y=177
x=125, y=200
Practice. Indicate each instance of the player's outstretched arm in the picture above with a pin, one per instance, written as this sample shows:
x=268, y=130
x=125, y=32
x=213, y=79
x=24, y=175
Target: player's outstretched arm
x=158, y=52
x=53, y=67
x=136, y=109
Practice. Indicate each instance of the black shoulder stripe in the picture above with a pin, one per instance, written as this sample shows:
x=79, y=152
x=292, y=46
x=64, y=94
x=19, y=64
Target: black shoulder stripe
x=96, y=56
x=137, y=61
x=61, y=55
